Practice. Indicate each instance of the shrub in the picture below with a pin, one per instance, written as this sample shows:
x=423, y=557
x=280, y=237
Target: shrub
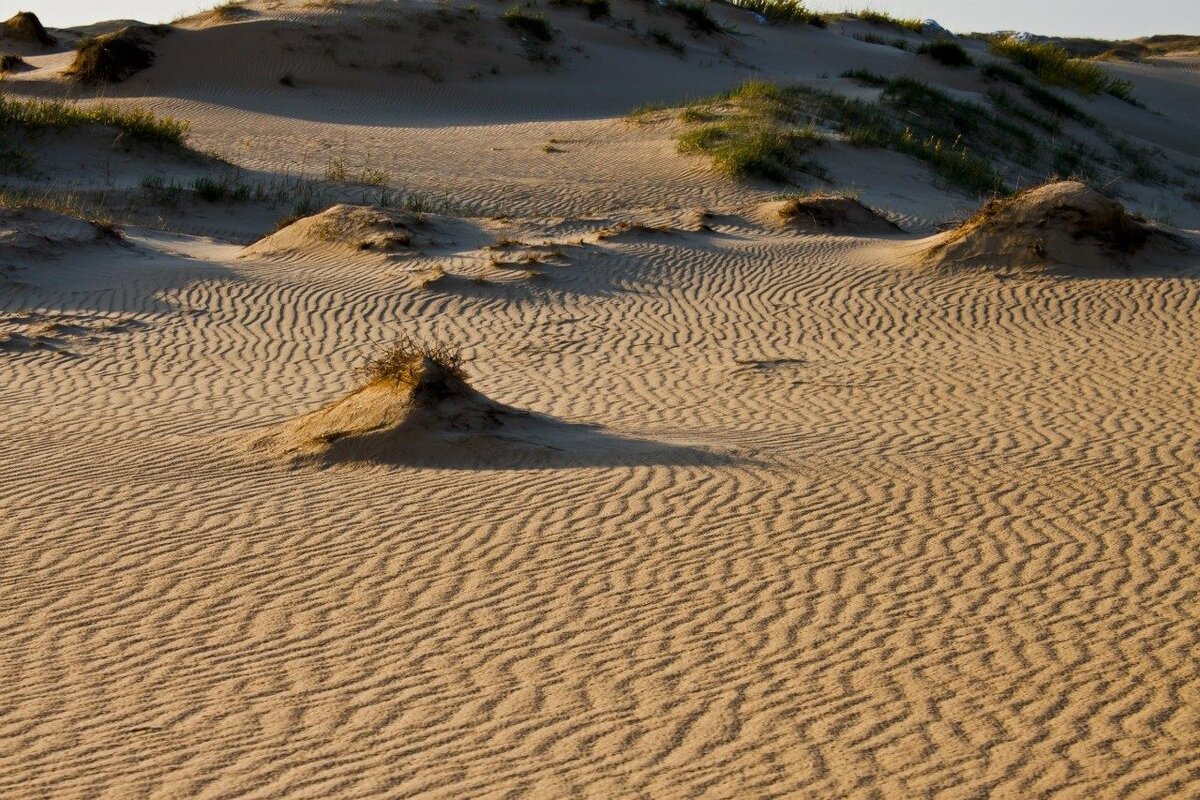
x=113, y=57
x=783, y=11
x=534, y=25
x=214, y=190
x=946, y=52
x=1054, y=65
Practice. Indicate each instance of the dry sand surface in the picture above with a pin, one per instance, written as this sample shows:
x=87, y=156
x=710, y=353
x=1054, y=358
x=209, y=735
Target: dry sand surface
x=730, y=505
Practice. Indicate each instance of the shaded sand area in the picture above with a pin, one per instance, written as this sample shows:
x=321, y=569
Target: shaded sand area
x=854, y=495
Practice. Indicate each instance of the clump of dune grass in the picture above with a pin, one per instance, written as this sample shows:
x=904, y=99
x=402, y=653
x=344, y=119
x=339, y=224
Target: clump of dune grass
x=697, y=15
x=783, y=11
x=596, y=9
x=433, y=366
x=664, y=39
x=1054, y=65
x=881, y=18
x=946, y=52
x=26, y=27
x=1048, y=100
x=113, y=57
x=12, y=63
x=529, y=23
x=87, y=207
x=137, y=122
x=225, y=12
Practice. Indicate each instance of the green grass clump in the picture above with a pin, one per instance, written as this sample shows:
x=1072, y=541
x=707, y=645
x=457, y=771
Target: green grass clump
x=783, y=11
x=534, y=25
x=1054, y=65
x=745, y=149
x=139, y=123
x=1048, y=100
x=946, y=52
x=881, y=18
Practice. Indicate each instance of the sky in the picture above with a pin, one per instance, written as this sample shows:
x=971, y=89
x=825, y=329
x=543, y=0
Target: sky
x=1103, y=18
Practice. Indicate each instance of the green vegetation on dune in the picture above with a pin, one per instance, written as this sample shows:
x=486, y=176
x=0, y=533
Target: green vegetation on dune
x=1054, y=65
x=783, y=11
x=141, y=124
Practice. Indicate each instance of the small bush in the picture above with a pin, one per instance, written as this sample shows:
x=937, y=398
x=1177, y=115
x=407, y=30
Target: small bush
x=946, y=52
x=1054, y=65
x=534, y=25
x=113, y=57
x=404, y=362
x=215, y=190
x=783, y=11
x=26, y=27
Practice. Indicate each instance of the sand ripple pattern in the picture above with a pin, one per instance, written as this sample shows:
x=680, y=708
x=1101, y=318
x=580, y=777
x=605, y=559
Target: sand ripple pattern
x=920, y=537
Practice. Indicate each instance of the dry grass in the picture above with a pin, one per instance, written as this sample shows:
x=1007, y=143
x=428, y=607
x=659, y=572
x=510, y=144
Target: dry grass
x=12, y=63
x=409, y=362
x=26, y=27
x=113, y=57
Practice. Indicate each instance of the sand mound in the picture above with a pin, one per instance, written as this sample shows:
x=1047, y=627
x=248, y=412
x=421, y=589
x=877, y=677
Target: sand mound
x=423, y=405
x=344, y=229
x=35, y=232
x=829, y=214
x=1059, y=226
x=113, y=57
x=26, y=27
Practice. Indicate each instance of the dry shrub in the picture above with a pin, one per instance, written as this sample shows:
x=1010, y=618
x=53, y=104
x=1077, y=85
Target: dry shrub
x=113, y=57
x=433, y=368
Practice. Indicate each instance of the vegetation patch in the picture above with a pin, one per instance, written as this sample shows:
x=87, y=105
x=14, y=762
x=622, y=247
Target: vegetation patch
x=697, y=15
x=12, y=63
x=26, y=27
x=596, y=9
x=881, y=18
x=406, y=363
x=113, y=57
x=783, y=12
x=528, y=23
x=946, y=52
x=1054, y=65
x=137, y=122
x=664, y=38
x=1048, y=100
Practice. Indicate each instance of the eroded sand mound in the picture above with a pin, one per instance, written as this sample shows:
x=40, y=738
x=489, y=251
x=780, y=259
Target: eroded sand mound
x=1065, y=226
x=424, y=406
x=35, y=232
x=822, y=213
x=345, y=230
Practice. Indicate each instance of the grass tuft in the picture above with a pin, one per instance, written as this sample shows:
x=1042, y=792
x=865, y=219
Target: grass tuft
x=406, y=363
x=113, y=57
x=697, y=15
x=881, y=18
x=1054, y=65
x=946, y=52
x=783, y=11
x=26, y=27
x=524, y=21
x=141, y=124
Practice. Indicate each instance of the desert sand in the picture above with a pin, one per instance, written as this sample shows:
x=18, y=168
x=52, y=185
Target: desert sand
x=734, y=501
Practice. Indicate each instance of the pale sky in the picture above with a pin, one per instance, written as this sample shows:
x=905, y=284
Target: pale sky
x=1104, y=18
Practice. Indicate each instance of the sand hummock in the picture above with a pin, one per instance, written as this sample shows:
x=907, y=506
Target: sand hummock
x=1065, y=226
x=829, y=213
x=428, y=407
x=344, y=230
x=37, y=233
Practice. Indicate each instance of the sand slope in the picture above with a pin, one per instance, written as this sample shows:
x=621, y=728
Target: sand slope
x=784, y=513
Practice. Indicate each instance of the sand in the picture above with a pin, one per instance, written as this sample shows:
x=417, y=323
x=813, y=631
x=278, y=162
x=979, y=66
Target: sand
x=766, y=511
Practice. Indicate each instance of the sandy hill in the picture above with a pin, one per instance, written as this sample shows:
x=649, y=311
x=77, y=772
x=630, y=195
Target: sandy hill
x=713, y=483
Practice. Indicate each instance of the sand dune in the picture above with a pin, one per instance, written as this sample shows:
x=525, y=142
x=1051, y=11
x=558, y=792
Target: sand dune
x=726, y=504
